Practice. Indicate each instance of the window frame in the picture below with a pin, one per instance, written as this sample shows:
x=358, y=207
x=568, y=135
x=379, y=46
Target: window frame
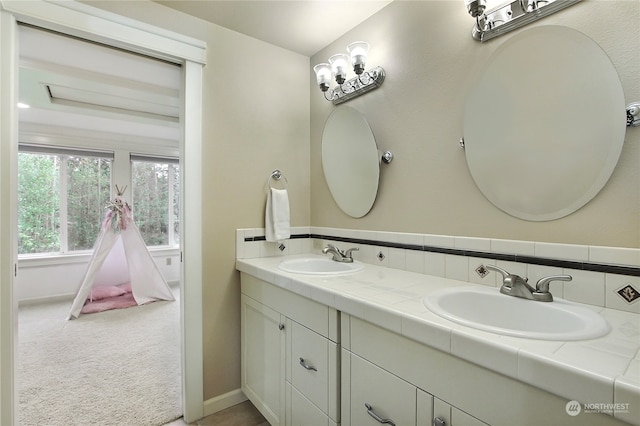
x=105, y=145
x=63, y=154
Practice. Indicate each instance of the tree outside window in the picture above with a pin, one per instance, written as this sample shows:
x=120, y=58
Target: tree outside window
x=156, y=199
x=61, y=199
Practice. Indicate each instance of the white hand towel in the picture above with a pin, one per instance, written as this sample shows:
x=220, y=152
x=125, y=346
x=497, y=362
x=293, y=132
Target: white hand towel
x=276, y=220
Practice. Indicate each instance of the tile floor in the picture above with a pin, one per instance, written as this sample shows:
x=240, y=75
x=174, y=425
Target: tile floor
x=243, y=414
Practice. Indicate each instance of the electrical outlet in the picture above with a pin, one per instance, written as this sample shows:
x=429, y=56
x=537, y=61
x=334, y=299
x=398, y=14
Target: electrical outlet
x=168, y=261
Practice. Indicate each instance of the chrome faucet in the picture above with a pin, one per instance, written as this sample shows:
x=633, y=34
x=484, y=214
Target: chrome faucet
x=515, y=285
x=339, y=255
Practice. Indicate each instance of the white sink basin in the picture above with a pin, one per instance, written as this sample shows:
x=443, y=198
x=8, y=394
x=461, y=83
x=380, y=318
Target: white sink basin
x=319, y=266
x=489, y=310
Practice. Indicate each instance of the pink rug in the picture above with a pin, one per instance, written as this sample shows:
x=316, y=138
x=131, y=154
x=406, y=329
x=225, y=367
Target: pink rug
x=118, y=302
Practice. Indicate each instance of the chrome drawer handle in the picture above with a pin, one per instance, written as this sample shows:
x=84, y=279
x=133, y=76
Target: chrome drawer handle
x=377, y=417
x=439, y=421
x=307, y=366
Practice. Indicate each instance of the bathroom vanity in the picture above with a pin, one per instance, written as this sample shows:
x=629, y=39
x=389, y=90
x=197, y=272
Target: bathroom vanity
x=361, y=349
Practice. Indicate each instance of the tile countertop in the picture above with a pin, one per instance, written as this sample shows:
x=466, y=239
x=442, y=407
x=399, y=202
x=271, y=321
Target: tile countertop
x=605, y=370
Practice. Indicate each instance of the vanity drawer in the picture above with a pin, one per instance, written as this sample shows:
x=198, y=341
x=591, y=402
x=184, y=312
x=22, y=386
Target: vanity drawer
x=313, y=368
x=303, y=412
x=381, y=393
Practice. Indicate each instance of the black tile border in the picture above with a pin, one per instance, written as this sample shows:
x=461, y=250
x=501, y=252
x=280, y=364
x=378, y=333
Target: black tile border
x=533, y=260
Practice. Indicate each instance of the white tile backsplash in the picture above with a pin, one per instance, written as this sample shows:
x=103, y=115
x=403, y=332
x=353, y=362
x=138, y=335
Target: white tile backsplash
x=614, y=255
x=477, y=244
x=526, y=248
x=456, y=267
x=434, y=264
x=613, y=283
x=439, y=241
x=397, y=258
x=585, y=287
x=591, y=287
x=562, y=251
x=414, y=261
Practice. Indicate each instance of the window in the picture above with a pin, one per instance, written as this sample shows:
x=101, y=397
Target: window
x=156, y=199
x=61, y=198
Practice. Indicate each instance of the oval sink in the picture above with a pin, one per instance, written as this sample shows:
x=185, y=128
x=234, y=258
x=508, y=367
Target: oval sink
x=489, y=310
x=319, y=266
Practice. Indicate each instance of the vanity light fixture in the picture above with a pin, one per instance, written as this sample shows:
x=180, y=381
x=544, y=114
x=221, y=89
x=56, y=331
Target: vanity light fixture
x=338, y=65
x=510, y=16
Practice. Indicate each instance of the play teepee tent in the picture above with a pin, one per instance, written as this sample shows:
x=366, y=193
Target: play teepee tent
x=120, y=263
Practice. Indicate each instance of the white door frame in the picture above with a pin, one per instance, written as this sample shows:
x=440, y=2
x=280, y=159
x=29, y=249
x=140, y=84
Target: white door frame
x=82, y=20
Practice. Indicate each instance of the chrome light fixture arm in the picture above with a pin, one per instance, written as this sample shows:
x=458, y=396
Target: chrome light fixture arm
x=357, y=86
x=633, y=114
x=510, y=16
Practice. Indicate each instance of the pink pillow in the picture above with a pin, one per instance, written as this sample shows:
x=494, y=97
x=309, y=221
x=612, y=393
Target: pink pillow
x=126, y=287
x=103, y=292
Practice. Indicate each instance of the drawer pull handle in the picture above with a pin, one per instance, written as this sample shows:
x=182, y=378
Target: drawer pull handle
x=377, y=417
x=307, y=366
x=439, y=421
x=280, y=326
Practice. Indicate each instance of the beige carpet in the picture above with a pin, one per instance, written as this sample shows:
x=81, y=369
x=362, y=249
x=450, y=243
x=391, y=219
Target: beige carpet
x=119, y=367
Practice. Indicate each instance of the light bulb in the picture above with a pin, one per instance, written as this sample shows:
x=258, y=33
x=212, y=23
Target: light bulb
x=339, y=65
x=358, y=53
x=323, y=76
x=475, y=7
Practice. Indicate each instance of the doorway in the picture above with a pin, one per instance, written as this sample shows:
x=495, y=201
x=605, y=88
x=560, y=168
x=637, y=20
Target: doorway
x=92, y=118
x=84, y=21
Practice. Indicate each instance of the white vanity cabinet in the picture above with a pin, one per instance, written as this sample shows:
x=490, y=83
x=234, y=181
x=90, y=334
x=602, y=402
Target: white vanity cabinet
x=290, y=355
x=444, y=387
x=373, y=396
x=263, y=363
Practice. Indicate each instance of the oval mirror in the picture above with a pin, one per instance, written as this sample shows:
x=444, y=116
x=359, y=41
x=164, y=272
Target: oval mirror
x=544, y=124
x=350, y=161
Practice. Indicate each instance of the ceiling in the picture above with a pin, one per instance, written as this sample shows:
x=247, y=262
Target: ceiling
x=74, y=84
x=303, y=26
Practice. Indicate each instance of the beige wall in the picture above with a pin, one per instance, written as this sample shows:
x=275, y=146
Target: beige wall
x=256, y=119
x=430, y=59
x=257, y=109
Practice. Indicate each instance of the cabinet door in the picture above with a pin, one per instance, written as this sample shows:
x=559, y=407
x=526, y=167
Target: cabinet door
x=378, y=393
x=424, y=408
x=263, y=361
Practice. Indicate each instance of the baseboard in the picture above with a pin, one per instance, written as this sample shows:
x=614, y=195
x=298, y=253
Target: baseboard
x=47, y=299
x=221, y=402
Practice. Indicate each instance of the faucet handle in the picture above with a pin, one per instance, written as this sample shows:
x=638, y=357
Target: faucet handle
x=505, y=274
x=349, y=251
x=337, y=250
x=542, y=286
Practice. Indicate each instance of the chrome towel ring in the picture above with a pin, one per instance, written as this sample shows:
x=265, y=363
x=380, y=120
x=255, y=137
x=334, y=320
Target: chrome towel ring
x=277, y=176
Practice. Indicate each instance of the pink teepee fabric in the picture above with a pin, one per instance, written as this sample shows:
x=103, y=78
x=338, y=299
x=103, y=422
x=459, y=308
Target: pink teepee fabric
x=120, y=256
